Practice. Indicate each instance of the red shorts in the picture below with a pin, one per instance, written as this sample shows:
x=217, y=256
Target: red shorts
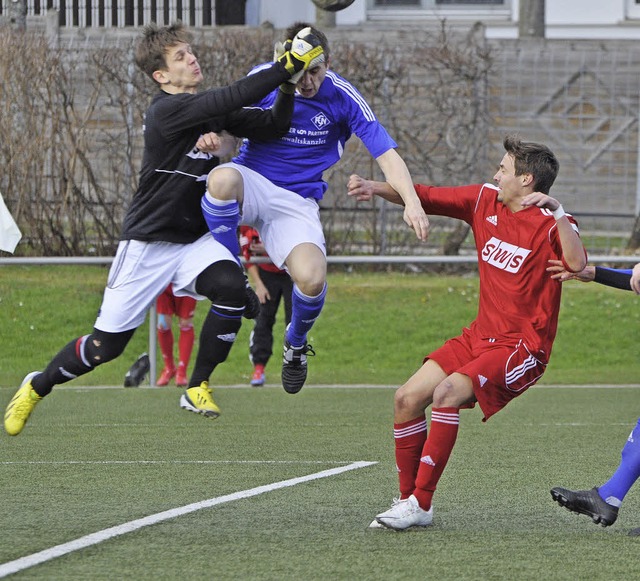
x=500, y=369
x=169, y=304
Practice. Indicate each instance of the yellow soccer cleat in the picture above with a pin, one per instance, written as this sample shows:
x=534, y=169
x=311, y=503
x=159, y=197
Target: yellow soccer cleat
x=21, y=406
x=200, y=401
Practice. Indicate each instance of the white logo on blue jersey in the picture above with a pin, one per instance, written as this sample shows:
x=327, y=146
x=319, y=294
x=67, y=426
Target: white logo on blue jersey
x=320, y=120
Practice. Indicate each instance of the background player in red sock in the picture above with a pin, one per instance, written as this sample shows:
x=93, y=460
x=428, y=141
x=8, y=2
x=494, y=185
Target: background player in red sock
x=183, y=307
x=517, y=229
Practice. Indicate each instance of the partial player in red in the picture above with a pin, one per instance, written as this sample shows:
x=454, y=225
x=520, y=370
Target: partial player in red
x=272, y=284
x=183, y=307
x=517, y=229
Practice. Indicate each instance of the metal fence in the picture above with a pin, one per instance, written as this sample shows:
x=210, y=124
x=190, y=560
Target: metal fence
x=582, y=98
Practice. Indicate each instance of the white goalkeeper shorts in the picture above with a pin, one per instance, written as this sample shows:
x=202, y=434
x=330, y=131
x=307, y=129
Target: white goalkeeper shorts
x=142, y=270
x=283, y=218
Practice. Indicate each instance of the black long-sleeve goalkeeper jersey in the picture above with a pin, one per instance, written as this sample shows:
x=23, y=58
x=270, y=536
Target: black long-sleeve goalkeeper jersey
x=172, y=181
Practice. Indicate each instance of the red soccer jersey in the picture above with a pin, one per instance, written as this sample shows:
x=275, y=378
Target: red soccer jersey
x=247, y=236
x=517, y=296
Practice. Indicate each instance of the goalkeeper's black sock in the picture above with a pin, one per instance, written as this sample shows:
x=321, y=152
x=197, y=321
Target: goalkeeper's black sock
x=65, y=366
x=217, y=336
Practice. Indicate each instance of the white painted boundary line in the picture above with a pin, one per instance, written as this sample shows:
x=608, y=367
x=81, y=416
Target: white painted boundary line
x=95, y=538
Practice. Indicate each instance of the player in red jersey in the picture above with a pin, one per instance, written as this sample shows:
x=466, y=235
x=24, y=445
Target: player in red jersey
x=517, y=228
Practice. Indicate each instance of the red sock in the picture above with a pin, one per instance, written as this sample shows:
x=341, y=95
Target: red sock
x=185, y=345
x=435, y=454
x=165, y=339
x=409, y=439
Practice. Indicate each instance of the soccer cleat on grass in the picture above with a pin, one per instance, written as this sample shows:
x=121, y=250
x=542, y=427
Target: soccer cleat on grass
x=257, y=379
x=181, y=377
x=166, y=376
x=405, y=514
x=138, y=371
x=294, y=366
x=21, y=406
x=586, y=502
x=200, y=401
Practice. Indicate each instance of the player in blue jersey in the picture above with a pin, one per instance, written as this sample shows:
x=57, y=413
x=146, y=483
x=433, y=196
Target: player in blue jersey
x=275, y=186
x=603, y=502
x=165, y=239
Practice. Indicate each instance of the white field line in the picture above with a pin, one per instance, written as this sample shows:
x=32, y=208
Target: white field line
x=152, y=462
x=95, y=538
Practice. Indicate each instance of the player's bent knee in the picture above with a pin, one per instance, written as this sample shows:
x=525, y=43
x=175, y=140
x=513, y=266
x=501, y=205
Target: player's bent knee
x=406, y=403
x=225, y=183
x=222, y=283
x=451, y=393
x=101, y=347
x=311, y=288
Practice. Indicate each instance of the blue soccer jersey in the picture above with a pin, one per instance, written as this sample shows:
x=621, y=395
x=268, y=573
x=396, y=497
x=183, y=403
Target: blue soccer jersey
x=319, y=130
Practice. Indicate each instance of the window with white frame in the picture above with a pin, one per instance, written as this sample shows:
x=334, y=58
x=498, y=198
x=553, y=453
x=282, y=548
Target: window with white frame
x=419, y=9
x=436, y=3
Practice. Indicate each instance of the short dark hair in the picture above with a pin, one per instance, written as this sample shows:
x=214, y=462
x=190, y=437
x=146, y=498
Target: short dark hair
x=535, y=159
x=298, y=26
x=151, y=50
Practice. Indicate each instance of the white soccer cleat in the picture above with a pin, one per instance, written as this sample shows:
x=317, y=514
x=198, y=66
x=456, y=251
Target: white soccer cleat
x=405, y=514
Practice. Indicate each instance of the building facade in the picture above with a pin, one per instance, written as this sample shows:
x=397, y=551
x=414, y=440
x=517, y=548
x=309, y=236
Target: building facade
x=565, y=19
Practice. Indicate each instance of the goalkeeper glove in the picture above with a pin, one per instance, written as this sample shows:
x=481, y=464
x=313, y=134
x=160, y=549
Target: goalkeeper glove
x=303, y=52
x=279, y=49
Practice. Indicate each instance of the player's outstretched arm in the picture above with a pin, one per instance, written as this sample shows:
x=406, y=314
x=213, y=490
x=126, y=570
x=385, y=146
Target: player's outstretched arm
x=398, y=177
x=560, y=273
x=624, y=279
x=364, y=190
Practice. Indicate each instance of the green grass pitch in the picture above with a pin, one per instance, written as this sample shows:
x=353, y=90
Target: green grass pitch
x=92, y=458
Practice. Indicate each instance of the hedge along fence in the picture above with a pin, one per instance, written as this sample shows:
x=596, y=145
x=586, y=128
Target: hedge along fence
x=71, y=131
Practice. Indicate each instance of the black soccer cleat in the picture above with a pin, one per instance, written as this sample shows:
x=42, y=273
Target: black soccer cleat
x=252, y=303
x=137, y=372
x=586, y=502
x=294, y=366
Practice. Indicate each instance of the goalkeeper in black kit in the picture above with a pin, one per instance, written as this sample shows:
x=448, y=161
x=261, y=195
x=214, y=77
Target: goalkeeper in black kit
x=165, y=239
